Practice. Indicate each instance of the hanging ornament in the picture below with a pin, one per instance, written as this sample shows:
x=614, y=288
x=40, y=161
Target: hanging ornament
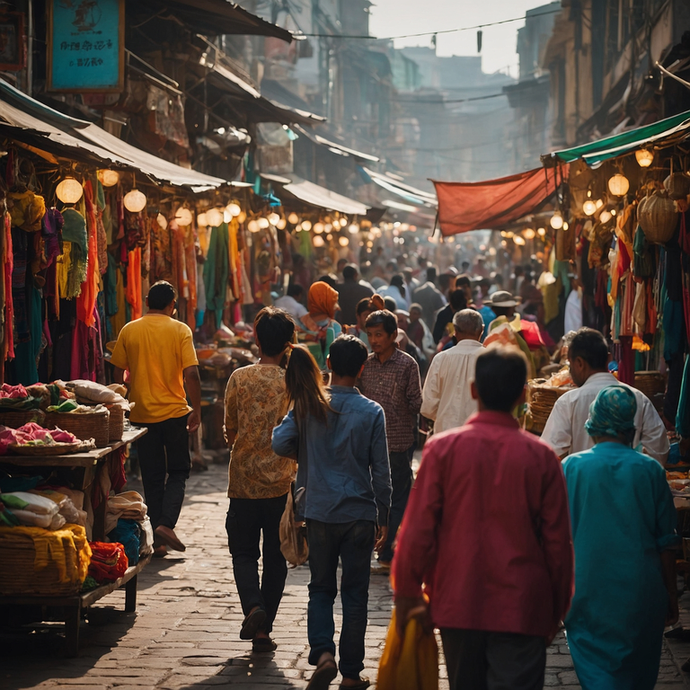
x=619, y=185
x=644, y=157
x=135, y=201
x=69, y=191
x=108, y=178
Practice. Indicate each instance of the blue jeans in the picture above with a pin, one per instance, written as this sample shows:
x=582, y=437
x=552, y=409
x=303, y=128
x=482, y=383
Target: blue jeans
x=352, y=543
x=401, y=479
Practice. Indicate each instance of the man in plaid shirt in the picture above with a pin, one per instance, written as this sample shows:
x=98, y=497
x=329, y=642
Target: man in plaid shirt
x=391, y=378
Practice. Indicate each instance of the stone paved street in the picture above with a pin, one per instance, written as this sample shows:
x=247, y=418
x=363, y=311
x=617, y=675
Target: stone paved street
x=185, y=631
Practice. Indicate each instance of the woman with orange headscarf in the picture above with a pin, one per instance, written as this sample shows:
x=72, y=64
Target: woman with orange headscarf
x=320, y=324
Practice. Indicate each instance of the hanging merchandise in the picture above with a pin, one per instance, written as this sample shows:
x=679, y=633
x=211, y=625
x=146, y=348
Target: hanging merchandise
x=86, y=301
x=133, y=291
x=216, y=272
x=677, y=185
x=75, y=253
x=27, y=210
x=658, y=217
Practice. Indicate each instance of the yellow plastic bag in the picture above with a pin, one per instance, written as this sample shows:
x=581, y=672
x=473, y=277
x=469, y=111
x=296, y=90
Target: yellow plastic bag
x=411, y=663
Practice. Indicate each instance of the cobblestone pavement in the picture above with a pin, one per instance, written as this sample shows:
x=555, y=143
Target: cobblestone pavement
x=185, y=631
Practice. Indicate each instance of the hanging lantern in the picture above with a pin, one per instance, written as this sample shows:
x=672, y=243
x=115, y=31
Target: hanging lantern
x=183, y=217
x=343, y=222
x=214, y=217
x=541, y=232
x=108, y=178
x=619, y=185
x=273, y=218
x=556, y=220
x=242, y=217
x=328, y=227
x=227, y=216
x=234, y=209
x=253, y=226
x=644, y=157
x=202, y=220
x=69, y=191
x=589, y=207
x=162, y=221
x=263, y=223
x=281, y=224
x=318, y=241
x=605, y=216
x=565, y=226
x=306, y=225
x=319, y=228
x=293, y=218
x=329, y=237
x=135, y=201
x=529, y=234
x=353, y=229
x=343, y=241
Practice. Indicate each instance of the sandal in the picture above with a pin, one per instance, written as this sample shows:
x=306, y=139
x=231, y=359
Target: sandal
x=263, y=644
x=251, y=624
x=323, y=675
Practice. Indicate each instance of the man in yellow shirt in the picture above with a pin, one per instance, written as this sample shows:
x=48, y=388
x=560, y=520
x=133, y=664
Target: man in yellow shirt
x=158, y=351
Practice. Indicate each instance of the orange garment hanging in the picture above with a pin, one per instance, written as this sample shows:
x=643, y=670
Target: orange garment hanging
x=86, y=302
x=133, y=291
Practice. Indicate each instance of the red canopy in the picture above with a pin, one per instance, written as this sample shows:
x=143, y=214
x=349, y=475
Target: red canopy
x=465, y=206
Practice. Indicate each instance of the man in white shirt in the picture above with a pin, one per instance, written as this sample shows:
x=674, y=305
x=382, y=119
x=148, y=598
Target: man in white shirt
x=565, y=429
x=447, y=398
x=290, y=302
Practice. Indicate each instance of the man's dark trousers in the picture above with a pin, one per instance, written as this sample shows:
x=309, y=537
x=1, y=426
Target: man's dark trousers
x=401, y=479
x=247, y=519
x=481, y=660
x=352, y=543
x=165, y=450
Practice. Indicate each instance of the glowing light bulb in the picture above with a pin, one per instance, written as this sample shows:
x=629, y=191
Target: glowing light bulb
x=556, y=220
x=306, y=225
x=293, y=219
x=263, y=223
x=253, y=226
x=644, y=157
x=273, y=218
x=343, y=241
x=589, y=207
x=318, y=241
x=319, y=228
x=135, y=201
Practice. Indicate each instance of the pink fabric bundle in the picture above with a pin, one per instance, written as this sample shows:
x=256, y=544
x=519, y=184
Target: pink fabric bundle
x=31, y=432
x=8, y=391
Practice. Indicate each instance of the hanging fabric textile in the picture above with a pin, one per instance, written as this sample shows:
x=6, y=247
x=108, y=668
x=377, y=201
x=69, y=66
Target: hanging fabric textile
x=8, y=267
x=216, y=272
x=134, y=297
x=86, y=302
x=72, y=269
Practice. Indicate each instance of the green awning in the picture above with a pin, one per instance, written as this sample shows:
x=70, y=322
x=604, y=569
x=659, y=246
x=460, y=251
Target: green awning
x=597, y=151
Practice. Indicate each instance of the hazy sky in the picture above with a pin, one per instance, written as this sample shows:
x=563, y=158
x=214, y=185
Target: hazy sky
x=396, y=17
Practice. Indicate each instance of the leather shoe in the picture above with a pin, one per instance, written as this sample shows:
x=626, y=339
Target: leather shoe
x=169, y=538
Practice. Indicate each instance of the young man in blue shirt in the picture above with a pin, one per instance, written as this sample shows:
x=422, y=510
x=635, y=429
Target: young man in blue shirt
x=343, y=467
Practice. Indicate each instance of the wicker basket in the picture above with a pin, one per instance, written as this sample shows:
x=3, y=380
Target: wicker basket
x=84, y=426
x=653, y=385
x=116, y=425
x=16, y=418
x=541, y=400
x=23, y=573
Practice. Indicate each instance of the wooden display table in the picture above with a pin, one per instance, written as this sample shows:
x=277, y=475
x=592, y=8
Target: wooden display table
x=81, y=471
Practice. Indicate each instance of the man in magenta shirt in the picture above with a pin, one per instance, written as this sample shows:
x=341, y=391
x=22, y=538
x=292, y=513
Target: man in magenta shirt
x=487, y=535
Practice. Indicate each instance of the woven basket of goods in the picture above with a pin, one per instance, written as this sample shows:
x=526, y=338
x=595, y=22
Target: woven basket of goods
x=116, y=423
x=94, y=424
x=36, y=561
x=653, y=385
x=541, y=398
x=16, y=418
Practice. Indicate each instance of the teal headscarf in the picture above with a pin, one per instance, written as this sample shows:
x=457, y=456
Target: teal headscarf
x=612, y=412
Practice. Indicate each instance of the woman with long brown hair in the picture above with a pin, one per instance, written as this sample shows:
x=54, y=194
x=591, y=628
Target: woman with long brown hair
x=339, y=438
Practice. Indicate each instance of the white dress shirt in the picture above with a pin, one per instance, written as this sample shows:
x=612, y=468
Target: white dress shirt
x=447, y=398
x=291, y=306
x=565, y=428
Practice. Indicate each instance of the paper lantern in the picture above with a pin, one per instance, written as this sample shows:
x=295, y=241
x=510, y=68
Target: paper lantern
x=529, y=234
x=135, y=201
x=214, y=217
x=541, y=232
x=644, y=157
x=227, y=216
x=343, y=222
x=319, y=228
x=202, y=220
x=281, y=224
x=293, y=219
x=273, y=218
x=519, y=240
x=318, y=241
x=353, y=229
x=589, y=207
x=556, y=220
x=253, y=226
x=599, y=203
x=234, y=209
x=183, y=217
x=242, y=217
x=605, y=216
x=263, y=223
x=69, y=191
x=108, y=178
x=343, y=241
x=619, y=185
x=162, y=221
x=306, y=225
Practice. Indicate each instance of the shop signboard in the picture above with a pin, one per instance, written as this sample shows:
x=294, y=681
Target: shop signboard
x=86, y=45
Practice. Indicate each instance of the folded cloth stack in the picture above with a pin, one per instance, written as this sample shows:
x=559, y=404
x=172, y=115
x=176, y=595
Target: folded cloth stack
x=128, y=533
x=108, y=561
x=32, y=434
x=90, y=392
x=17, y=398
x=37, y=561
x=24, y=508
x=128, y=505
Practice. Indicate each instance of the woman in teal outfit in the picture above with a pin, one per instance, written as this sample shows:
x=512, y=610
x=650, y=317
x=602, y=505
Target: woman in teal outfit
x=624, y=524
